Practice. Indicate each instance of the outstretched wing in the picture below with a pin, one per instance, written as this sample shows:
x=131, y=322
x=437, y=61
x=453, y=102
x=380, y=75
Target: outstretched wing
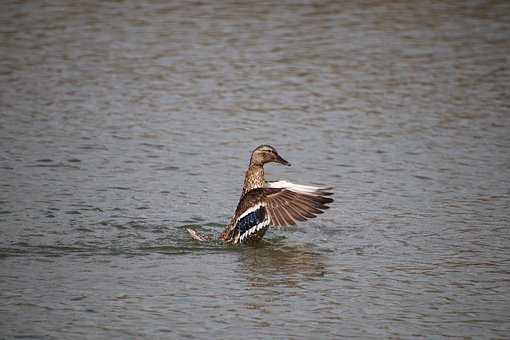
x=287, y=202
x=280, y=204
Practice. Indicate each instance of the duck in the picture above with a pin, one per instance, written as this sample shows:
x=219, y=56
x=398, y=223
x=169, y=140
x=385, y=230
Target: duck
x=266, y=204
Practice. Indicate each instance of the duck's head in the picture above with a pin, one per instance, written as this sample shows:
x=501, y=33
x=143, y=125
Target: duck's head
x=265, y=154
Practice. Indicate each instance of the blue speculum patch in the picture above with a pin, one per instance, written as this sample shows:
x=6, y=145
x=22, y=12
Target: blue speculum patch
x=250, y=220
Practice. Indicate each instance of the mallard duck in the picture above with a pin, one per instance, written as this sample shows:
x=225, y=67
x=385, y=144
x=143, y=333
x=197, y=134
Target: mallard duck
x=264, y=204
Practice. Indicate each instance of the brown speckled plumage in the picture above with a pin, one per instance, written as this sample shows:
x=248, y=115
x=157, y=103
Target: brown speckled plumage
x=253, y=178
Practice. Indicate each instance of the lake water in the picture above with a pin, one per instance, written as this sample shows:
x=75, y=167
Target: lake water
x=123, y=122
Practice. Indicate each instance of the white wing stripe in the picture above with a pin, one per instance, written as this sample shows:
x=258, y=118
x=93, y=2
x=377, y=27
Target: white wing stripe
x=296, y=187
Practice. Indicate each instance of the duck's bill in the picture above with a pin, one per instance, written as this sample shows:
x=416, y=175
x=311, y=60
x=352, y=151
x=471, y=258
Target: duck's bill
x=282, y=161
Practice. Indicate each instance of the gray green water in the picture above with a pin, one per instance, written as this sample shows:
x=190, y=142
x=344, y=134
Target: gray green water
x=122, y=122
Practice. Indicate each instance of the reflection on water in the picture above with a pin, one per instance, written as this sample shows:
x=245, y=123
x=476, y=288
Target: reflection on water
x=123, y=122
x=268, y=266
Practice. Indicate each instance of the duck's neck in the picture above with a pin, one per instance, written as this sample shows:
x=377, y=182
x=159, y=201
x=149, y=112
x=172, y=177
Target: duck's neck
x=254, y=178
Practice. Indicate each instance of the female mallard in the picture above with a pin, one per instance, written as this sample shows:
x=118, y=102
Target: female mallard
x=269, y=203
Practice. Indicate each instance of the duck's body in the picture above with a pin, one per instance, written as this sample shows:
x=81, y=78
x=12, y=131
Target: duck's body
x=264, y=204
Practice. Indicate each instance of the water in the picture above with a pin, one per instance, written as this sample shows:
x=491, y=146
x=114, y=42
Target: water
x=123, y=122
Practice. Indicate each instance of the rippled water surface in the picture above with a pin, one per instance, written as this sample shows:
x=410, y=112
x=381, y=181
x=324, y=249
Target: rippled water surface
x=123, y=122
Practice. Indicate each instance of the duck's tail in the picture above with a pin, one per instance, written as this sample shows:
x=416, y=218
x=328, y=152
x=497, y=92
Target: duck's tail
x=197, y=235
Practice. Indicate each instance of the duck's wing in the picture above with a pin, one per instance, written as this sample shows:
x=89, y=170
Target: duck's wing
x=287, y=202
x=280, y=204
x=251, y=219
